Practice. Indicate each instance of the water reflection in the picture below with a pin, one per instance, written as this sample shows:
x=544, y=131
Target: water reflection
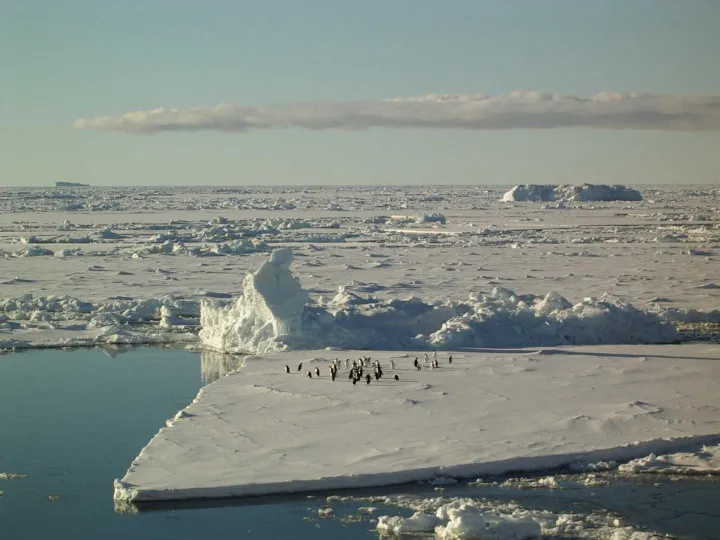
x=215, y=365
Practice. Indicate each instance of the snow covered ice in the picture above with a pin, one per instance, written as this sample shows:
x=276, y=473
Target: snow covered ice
x=259, y=430
x=586, y=192
x=273, y=314
x=120, y=254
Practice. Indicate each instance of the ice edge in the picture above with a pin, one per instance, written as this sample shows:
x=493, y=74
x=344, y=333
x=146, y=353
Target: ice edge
x=127, y=492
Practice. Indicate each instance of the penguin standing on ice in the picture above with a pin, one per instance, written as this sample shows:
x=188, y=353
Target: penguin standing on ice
x=317, y=371
x=309, y=374
x=427, y=358
x=392, y=364
x=300, y=367
x=287, y=369
x=396, y=378
x=450, y=359
x=367, y=379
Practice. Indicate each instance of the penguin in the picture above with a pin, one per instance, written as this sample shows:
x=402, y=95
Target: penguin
x=300, y=367
x=427, y=359
x=333, y=375
x=450, y=359
x=309, y=374
x=434, y=355
x=392, y=364
x=416, y=363
x=396, y=378
x=331, y=369
x=287, y=369
x=347, y=363
x=317, y=371
x=367, y=379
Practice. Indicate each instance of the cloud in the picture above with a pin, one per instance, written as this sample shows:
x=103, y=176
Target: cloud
x=516, y=110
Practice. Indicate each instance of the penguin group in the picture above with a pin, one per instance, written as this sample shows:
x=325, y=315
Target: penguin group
x=360, y=369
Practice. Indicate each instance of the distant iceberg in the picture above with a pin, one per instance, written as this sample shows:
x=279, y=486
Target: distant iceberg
x=70, y=184
x=276, y=313
x=568, y=193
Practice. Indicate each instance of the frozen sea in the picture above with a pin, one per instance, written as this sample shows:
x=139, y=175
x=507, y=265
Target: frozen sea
x=73, y=419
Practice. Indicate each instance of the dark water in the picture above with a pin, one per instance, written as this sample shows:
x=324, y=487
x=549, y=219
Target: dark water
x=74, y=420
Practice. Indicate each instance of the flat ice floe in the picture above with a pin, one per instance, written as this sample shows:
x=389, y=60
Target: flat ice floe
x=262, y=431
x=274, y=313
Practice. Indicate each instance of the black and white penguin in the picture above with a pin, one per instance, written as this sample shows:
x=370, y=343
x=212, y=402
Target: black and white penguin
x=287, y=369
x=317, y=371
x=397, y=378
x=450, y=359
x=367, y=379
x=427, y=358
x=392, y=364
x=309, y=374
x=300, y=367
x=416, y=363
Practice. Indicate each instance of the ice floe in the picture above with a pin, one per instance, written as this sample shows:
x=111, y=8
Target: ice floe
x=261, y=430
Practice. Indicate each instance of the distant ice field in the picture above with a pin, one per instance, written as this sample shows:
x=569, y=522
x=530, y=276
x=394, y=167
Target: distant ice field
x=435, y=243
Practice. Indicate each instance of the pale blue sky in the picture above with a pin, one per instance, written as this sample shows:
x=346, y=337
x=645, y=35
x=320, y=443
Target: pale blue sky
x=67, y=59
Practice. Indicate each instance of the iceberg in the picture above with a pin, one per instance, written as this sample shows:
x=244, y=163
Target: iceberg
x=567, y=193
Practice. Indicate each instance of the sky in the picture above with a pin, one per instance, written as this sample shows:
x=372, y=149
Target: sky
x=288, y=92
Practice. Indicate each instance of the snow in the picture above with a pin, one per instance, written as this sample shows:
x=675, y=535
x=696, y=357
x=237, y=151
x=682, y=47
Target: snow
x=273, y=314
x=704, y=461
x=565, y=193
x=447, y=243
x=259, y=430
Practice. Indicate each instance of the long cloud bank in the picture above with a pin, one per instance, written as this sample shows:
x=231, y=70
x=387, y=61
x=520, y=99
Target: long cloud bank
x=516, y=110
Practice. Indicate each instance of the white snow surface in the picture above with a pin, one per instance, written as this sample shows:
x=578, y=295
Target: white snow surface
x=273, y=314
x=259, y=430
x=567, y=193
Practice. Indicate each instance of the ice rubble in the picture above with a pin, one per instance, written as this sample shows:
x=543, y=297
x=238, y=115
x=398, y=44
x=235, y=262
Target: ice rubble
x=463, y=518
x=704, y=461
x=567, y=193
x=274, y=313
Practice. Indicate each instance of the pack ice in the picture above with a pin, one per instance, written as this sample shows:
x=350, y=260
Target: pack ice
x=275, y=313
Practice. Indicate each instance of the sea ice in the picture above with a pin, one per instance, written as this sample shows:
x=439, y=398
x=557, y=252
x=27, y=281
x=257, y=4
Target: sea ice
x=566, y=193
x=704, y=461
x=260, y=430
x=274, y=313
